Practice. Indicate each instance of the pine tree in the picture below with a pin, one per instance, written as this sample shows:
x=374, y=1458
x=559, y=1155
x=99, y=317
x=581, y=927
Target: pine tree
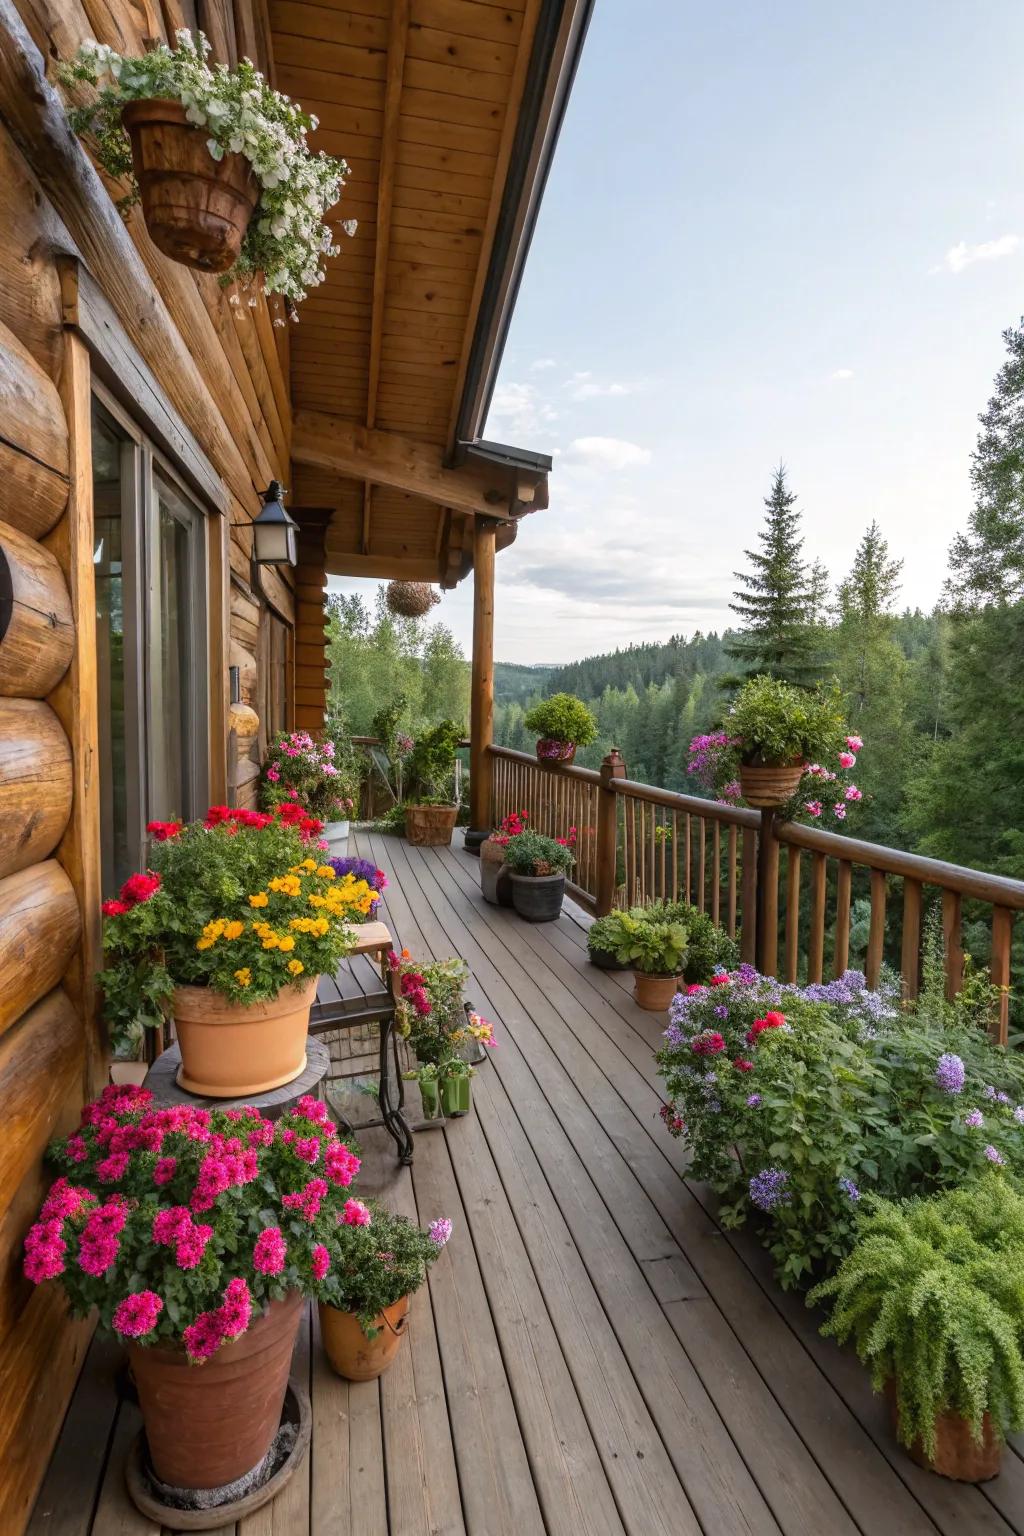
x=865, y=616
x=987, y=562
x=773, y=602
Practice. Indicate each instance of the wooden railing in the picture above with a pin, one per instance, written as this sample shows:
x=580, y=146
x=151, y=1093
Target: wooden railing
x=784, y=887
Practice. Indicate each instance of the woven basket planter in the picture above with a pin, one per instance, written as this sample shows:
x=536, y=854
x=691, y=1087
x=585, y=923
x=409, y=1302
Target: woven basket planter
x=411, y=599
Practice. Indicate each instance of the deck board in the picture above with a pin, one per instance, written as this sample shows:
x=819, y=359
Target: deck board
x=593, y=1354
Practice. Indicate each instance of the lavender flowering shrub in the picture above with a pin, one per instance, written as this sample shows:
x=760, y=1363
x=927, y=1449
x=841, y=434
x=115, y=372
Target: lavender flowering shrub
x=794, y=1101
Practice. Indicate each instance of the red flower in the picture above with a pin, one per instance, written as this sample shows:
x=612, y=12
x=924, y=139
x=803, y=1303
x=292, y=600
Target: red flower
x=743, y=1066
x=163, y=831
x=708, y=1043
x=720, y=979
x=115, y=908
x=693, y=988
x=774, y=1020
x=138, y=888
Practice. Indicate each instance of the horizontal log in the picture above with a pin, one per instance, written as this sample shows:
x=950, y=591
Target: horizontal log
x=42, y=1059
x=33, y=442
x=35, y=783
x=39, y=928
x=37, y=636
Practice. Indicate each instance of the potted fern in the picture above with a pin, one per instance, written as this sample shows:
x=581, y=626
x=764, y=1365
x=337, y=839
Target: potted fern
x=932, y=1296
x=562, y=723
x=538, y=866
x=654, y=950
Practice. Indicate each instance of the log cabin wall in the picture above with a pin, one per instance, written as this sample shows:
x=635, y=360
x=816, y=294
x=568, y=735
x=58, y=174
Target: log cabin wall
x=222, y=369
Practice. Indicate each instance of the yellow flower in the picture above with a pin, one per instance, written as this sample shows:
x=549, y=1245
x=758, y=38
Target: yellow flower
x=317, y=901
x=204, y=944
x=296, y=967
x=309, y=864
x=244, y=976
x=234, y=930
x=288, y=885
x=271, y=941
x=259, y=900
x=286, y=943
x=326, y=872
x=321, y=926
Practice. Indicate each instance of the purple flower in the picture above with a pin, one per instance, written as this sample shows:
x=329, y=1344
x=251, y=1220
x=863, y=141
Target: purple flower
x=950, y=1073
x=1018, y=1114
x=849, y=1189
x=440, y=1231
x=768, y=1189
x=974, y=1119
x=361, y=869
x=721, y=1011
x=753, y=1101
x=995, y=1156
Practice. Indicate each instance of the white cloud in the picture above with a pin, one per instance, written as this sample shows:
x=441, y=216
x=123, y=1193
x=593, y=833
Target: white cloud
x=608, y=452
x=518, y=414
x=962, y=255
x=583, y=386
x=842, y=373
x=541, y=363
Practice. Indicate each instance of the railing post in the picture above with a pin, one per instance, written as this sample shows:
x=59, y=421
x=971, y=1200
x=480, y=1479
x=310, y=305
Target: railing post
x=612, y=767
x=767, y=896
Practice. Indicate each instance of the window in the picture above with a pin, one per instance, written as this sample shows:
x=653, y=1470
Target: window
x=151, y=631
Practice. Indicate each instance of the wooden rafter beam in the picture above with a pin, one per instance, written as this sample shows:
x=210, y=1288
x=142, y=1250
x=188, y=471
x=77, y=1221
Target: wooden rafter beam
x=381, y=567
x=389, y=458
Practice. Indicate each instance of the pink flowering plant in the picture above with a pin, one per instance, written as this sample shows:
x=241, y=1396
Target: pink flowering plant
x=773, y=723
x=179, y=1225
x=794, y=1101
x=375, y=1258
x=305, y=771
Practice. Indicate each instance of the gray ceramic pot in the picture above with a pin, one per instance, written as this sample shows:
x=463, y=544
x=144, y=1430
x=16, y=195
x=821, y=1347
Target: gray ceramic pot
x=538, y=898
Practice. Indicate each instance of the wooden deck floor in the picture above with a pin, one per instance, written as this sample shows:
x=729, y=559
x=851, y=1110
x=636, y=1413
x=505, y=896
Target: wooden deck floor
x=593, y=1355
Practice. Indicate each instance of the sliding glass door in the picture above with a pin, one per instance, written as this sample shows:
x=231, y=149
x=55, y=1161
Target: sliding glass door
x=151, y=633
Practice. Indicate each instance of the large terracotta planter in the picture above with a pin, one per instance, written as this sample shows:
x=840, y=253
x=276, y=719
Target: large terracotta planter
x=550, y=751
x=197, y=209
x=957, y=1454
x=430, y=826
x=210, y=1424
x=768, y=786
x=538, y=898
x=655, y=993
x=350, y=1352
x=231, y=1049
x=495, y=880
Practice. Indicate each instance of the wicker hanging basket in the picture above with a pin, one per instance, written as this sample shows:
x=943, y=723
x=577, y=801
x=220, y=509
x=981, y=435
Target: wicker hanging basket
x=412, y=599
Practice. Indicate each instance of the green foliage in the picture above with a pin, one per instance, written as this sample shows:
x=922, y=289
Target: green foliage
x=532, y=854
x=376, y=1264
x=562, y=718
x=775, y=601
x=430, y=1007
x=430, y=768
x=647, y=945
x=932, y=1295
x=378, y=659
x=778, y=723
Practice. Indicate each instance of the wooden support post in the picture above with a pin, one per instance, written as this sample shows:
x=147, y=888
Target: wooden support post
x=767, y=896
x=481, y=720
x=608, y=832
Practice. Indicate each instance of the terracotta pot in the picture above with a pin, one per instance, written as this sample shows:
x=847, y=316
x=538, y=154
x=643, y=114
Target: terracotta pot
x=197, y=209
x=538, y=898
x=455, y=1096
x=550, y=752
x=209, y=1424
x=430, y=826
x=769, y=785
x=655, y=993
x=957, y=1454
x=495, y=880
x=231, y=1049
x=350, y=1352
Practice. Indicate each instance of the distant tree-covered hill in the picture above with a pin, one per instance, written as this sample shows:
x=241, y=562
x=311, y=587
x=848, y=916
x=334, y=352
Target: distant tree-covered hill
x=514, y=684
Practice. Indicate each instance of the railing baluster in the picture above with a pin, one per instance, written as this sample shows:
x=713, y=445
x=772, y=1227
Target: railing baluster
x=910, y=956
x=792, y=914
x=731, y=929
x=876, y=932
x=816, y=940
x=701, y=874
x=841, y=961
x=1002, y=938
x=952, y=941
x=716, y=882
x=675, y=856
x=748, y=933
x=768, y=896
x=688, y=859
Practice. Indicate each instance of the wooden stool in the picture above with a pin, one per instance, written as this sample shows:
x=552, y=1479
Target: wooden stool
x=161, y=1080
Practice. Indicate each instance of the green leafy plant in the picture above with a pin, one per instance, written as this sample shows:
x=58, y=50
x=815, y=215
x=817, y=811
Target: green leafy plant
x=932, y=1296
x=288, y=238
x=776, y=722
x=562, y=717
x=533, y=854
x=377, y=1260
x=604, y=933
x=708, y=946
x=651, y=946
x=430, y=768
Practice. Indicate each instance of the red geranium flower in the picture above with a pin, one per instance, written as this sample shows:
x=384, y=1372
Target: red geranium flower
x=138, y=888
x=743, y=1066
x=163, y=831
x=115, y=908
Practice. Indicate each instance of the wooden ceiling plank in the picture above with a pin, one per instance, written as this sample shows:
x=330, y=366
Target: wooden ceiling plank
x=440, y=134
x=358, y=67
x=305, y=20
x=453, y=80
x=435, y=46
x=446, y=107
x=397, y=35
x=501, y=24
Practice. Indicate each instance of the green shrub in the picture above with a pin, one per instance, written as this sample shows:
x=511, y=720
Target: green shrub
x=430, y=770
x=932, y=1296
x=652, y=947
x=563, y=717
x=532, y=854
x=708, y=946
x=777, y=723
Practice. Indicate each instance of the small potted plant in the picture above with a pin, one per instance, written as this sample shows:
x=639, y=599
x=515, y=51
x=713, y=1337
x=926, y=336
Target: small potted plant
x=538, y=866
x=377, y=1261
x=431, y=806
x=193, y=1236
x=304, y=771
x=603, y=937
x=426, y=1076
x=454, y=1077
x=932, y=1296
x=494, y=877
x=654, y=950
x=767, y=752
x=562, y=723
x=219, y=160
x=228, y=931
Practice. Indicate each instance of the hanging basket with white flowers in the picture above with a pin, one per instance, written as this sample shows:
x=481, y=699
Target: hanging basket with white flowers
x=219, y=160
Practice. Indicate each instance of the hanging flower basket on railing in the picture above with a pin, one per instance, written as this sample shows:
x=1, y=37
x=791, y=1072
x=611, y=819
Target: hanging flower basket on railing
x=411, y=599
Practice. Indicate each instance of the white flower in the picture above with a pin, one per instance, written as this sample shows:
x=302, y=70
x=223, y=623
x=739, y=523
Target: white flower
x=215, y=149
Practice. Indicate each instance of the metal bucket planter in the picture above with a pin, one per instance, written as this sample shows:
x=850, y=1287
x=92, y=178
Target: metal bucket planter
x=957, y=1454
x=229, y=1050
x=350, y=1352
x=654, y=993
x=538, y=898
x=550, y=751
x=197, y=209
x=430, y=826
x=455, y=1096
x=495, y=879
x=768, y=786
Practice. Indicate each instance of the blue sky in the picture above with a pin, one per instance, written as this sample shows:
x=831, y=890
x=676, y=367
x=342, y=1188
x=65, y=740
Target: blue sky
x=789, y=231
